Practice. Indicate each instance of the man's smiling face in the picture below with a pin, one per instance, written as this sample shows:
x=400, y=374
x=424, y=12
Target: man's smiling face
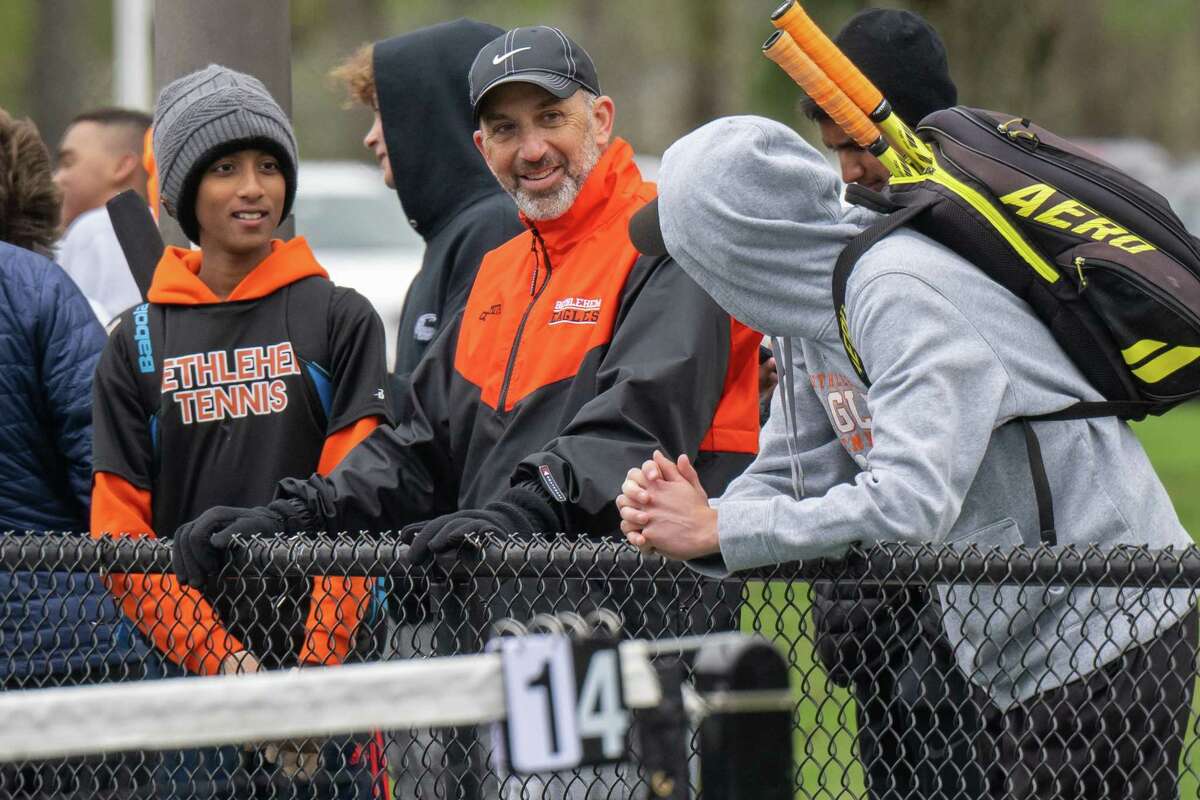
x=541, y=148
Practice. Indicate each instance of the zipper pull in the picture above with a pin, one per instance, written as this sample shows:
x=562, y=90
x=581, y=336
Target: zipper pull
x=1079, y=262
x=533, y=251
x=545, y=259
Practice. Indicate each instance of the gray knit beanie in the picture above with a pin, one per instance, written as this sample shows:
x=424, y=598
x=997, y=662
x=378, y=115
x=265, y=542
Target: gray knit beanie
x=206, y=115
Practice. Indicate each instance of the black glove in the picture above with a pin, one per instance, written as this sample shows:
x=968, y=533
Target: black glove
x=521, y=509
x=198, y=551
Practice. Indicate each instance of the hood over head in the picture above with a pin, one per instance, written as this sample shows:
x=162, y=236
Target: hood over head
x=753, y=214
x=424, y=101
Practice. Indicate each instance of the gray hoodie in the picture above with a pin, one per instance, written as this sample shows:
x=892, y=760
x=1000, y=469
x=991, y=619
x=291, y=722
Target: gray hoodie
x=753, y=214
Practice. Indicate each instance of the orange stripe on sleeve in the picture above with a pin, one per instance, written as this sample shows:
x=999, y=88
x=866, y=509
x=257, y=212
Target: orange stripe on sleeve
x=338, y=603
x=179, y=621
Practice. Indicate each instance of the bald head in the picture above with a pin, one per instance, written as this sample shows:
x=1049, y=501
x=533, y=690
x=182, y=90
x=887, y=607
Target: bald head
x=100, y=156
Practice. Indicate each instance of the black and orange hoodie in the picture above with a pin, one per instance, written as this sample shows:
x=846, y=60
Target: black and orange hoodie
x=239, y=401
x=574, y=359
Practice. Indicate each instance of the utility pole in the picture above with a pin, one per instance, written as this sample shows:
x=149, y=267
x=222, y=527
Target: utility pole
x=255, y=38
x=131, y=54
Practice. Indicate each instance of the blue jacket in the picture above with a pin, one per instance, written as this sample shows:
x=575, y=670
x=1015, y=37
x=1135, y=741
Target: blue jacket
x=50, y=342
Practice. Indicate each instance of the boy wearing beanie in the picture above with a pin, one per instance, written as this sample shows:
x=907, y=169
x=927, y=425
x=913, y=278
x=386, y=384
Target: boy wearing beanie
x=246, y=366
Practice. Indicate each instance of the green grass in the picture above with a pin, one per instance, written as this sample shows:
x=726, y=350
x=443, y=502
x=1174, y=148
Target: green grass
x=1173, y=443
x=825, y=723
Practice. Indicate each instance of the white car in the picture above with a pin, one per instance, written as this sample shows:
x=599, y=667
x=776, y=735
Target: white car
x=358, y=232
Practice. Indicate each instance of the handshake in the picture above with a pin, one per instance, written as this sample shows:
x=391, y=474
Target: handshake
x=200, y=548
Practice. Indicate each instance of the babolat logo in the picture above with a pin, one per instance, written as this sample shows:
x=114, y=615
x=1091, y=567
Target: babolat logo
x=141, y=336
x=576, y=311
x=1048, y=206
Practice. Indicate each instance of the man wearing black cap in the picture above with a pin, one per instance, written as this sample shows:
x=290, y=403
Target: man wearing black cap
x=903, y=56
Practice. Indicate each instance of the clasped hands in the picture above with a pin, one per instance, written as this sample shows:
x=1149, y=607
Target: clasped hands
x=296, y=759
x=665, y=510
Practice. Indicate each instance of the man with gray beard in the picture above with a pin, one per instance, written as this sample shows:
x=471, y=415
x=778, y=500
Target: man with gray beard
x=574, y=357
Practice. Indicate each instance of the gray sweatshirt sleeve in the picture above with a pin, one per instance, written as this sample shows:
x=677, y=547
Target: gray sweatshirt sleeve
x=938, y=392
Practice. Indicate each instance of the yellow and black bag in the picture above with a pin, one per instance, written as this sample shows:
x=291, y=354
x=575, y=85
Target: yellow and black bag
x=1101, y=258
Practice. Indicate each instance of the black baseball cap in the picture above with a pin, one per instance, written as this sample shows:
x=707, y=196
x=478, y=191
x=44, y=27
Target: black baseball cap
x=540, y=55
x=645, y=230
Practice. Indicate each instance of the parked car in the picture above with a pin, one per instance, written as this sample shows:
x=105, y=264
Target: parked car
x=358, y=232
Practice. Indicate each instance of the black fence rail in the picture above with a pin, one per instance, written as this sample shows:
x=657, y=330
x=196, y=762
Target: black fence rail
x=917, y=671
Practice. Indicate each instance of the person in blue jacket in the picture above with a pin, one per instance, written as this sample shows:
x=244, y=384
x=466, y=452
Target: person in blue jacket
x=57, y=628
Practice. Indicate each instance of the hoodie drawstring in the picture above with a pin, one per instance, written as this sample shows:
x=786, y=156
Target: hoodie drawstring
x=783, y=357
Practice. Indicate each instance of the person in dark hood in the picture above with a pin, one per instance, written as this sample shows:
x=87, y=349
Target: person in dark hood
x=421, y=137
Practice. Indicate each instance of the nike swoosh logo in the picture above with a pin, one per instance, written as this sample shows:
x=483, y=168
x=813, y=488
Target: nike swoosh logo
x=497, y=59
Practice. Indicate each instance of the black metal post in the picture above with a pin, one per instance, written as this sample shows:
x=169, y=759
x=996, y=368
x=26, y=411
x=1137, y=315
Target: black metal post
x=746, y=738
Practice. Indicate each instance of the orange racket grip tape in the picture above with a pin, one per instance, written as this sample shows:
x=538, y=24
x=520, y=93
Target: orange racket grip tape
x=792, y=18
x=816, y=84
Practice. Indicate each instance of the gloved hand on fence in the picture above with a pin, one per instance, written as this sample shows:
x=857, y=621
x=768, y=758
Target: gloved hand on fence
x=199, y=549
x=522, y=509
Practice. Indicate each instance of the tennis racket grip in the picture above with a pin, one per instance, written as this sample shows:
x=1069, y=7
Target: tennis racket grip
x=781, y=49
x=793, y=19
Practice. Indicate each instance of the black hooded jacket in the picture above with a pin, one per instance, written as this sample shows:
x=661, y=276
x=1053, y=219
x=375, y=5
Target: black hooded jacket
x=448, y=194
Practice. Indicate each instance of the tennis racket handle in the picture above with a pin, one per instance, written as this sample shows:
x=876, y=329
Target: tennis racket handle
x=816, y=84
x=791, y=17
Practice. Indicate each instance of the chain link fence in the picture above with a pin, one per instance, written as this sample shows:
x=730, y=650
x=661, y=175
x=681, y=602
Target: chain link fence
x=917, y=672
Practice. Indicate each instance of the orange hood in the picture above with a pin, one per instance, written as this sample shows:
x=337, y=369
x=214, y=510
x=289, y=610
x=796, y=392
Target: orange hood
x=177, y=282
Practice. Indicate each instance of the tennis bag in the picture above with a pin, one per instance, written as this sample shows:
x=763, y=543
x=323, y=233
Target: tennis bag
x=1101, y=258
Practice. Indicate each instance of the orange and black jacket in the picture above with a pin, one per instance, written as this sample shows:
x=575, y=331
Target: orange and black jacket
x=574, y=359
x=236, y=407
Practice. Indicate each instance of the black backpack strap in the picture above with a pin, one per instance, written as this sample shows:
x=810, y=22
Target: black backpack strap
x=307, y=322
x=1125, y=409
x=845, y=265
x=138, y=236
x=147, y=333
x=859, y=195
x=1041, y=485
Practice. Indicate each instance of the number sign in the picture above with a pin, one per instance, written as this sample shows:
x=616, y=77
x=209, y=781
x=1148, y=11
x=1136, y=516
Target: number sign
x=566, y=707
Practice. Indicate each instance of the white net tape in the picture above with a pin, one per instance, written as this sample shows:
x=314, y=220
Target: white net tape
x=181, y=712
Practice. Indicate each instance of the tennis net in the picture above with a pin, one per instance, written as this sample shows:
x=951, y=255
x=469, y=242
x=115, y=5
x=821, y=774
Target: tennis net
x=325, y=732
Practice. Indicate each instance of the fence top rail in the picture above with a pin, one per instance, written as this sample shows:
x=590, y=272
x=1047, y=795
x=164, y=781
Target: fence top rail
x=573, y=557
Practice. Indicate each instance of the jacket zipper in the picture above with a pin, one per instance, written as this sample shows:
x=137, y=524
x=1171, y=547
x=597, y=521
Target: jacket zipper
x=535, y=292
x=1065, y=165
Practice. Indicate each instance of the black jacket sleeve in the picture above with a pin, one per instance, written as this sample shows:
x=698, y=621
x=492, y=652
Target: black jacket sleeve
x=398, y=474
x=659, y=382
